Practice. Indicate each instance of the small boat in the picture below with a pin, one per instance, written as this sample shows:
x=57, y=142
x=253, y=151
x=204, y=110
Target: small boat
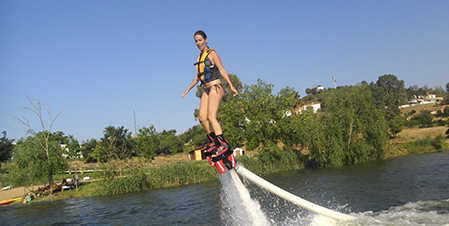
x=10, y=201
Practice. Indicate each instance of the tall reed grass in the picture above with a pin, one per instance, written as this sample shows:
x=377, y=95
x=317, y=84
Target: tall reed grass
x=274, y=159
x=181, y=173
x=138, y=178
x=423, y=145
x=134, y=182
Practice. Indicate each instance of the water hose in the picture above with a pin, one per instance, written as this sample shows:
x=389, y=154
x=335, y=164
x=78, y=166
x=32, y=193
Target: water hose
x=291, y=197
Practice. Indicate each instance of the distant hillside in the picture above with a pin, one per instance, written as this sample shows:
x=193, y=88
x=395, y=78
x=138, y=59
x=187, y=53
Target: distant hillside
x=423, y=107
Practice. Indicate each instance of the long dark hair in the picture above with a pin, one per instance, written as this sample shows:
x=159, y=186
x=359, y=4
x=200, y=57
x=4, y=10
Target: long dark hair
x=200, y=32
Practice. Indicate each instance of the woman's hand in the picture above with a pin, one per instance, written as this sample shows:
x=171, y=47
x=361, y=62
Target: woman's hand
x=234, y=90
x=194, y=82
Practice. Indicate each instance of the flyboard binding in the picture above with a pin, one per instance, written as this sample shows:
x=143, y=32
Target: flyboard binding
x=221, y=158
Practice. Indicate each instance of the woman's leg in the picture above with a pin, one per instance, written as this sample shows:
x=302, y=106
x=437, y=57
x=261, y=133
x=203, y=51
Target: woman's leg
x=202, y=116
x=215, y=94
x=223, y=158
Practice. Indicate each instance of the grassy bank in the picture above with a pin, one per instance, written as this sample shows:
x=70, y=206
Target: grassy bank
x=140, y=178
x=84, y=191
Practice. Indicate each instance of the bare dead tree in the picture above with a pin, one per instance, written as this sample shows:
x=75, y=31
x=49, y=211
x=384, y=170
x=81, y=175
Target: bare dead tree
x=37, y=108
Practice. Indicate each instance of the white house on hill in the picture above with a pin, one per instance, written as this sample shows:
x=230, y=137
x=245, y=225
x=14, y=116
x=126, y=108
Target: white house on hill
x=315, y=106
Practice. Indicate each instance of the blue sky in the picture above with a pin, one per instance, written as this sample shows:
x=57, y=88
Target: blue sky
x=95, y=62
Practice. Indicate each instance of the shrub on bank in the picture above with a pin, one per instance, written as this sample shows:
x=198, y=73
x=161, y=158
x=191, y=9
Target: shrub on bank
x=439, y=143
x=418, y=146
x=181, y=173
x=424, y=120
x=426, y=144
x=136, y=181
x=273, y=159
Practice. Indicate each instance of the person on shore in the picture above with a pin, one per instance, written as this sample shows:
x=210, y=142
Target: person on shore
x=28, y=197
x=76, y=180
x=210, y=69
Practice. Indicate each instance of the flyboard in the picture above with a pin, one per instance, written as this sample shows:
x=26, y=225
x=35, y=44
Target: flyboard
x=291, y=197
x=226, y=161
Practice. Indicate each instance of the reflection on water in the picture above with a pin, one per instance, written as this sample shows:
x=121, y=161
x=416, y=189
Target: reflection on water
x=409, y=190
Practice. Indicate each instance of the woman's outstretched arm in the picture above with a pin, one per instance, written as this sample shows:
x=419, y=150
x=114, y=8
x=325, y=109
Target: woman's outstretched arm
x=194, y=82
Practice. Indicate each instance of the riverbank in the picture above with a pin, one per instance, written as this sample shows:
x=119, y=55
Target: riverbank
x=417, y=141
x=177, y=170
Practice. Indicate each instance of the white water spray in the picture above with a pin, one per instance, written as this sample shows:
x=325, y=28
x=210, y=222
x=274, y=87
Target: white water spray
x=431, y=213
x=238, y=207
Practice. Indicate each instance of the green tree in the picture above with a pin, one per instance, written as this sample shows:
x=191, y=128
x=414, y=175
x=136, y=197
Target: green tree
x=389, y=93
x=424, y=118
x=352, y=129
x=415, y=91
x=260, y=115
x=71, y=146
x=308, y=91
x=38, y=157
x=256, y=115
x=169, y=142
x=235, y=81
x=393, y=92
x=100, y=153
x=288, y=99
x=194, y=137
x=396, y=124
x=233, y=121
x=148, y=141
x=6, y=148
x=88, y=147
x=115, y=144
x=438, y=91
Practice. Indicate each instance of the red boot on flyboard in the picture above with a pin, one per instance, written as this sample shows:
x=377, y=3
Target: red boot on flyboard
x=219, y=154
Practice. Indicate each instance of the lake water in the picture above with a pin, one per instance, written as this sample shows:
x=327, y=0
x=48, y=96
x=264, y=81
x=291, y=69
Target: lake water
x=411, y=190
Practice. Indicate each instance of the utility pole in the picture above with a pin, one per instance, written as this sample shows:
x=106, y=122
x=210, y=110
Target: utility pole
x=135, y=127
x=334, y=80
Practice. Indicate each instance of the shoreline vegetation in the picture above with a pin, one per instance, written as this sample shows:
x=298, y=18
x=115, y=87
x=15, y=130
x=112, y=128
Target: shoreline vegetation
x=279, y=131
x=174, y=173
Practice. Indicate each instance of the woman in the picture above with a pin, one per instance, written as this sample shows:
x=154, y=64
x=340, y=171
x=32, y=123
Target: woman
x=210, y=70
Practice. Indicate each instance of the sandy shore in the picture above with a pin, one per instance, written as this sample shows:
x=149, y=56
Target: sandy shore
x=16, y=192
